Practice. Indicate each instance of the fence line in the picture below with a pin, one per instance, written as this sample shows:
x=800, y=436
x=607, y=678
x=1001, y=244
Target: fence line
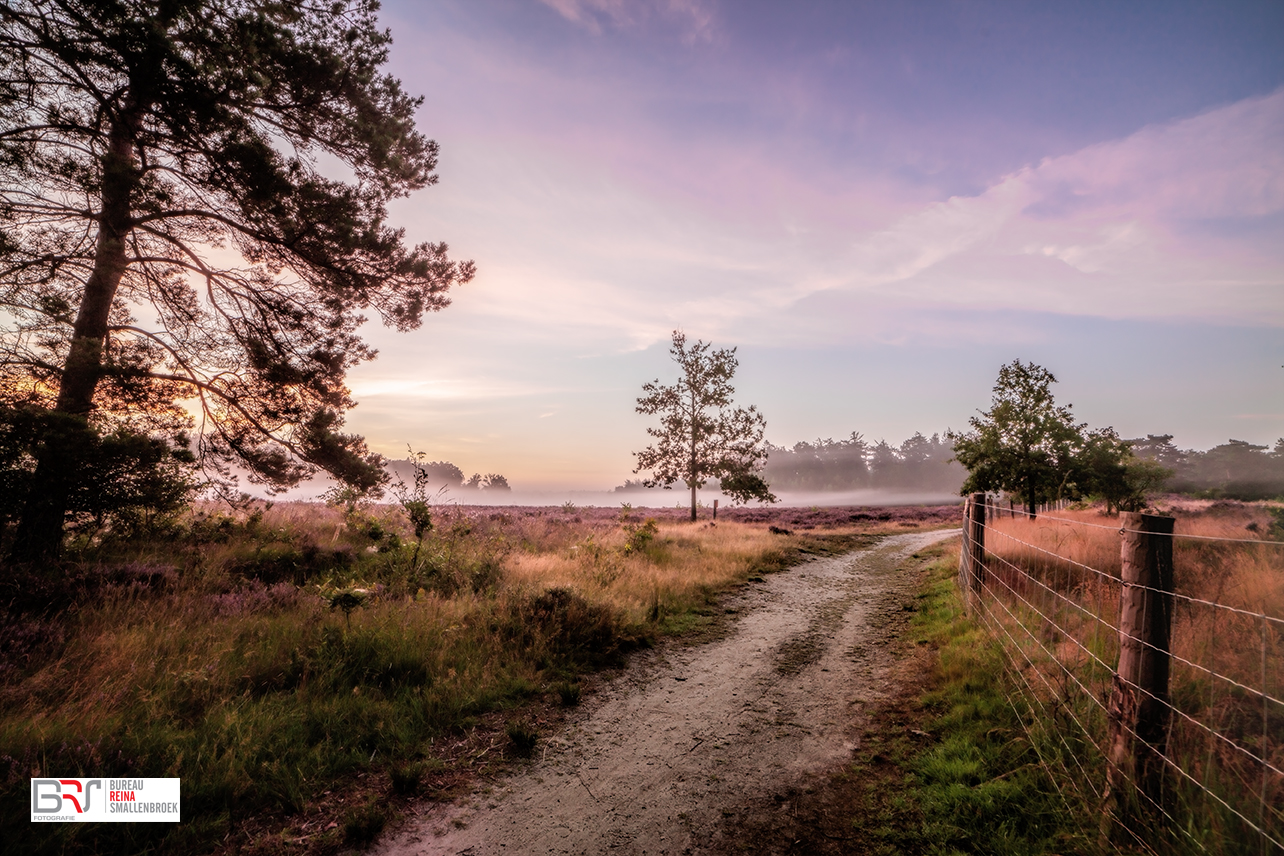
x=998, y=509
x=1168, y=756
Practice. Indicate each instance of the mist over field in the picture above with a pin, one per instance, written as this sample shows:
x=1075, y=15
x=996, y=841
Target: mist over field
x=656, y=498
x=680, y=498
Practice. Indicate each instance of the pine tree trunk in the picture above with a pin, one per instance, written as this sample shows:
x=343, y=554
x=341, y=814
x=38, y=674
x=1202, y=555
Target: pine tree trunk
x=693, y=503
x=39, y=534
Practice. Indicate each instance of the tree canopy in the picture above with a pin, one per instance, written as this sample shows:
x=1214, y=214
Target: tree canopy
x=1024, y=444
x=174, y=239
x=1033, y=449
x=701, y=434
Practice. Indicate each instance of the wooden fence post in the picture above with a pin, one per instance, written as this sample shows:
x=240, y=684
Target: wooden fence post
x=972, y=552
x=965, y=563
x=976, y=531
x=1138, y=708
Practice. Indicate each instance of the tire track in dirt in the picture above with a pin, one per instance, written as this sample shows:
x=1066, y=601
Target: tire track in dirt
x=690, y=737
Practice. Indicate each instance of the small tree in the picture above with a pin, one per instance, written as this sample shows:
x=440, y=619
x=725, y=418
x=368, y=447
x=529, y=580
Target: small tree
x=494, y=481
x=701, y=436
x=1024, y=444
x=1108, y=469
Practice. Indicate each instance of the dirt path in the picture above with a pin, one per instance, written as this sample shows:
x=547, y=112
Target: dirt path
x=663, y=759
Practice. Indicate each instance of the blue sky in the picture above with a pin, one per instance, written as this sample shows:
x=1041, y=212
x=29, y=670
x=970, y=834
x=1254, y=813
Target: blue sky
x=878, y=204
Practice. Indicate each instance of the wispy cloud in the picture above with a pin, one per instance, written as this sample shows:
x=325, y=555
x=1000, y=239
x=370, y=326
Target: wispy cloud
x=1135, y=225
x=694, y=17
x=368, y=386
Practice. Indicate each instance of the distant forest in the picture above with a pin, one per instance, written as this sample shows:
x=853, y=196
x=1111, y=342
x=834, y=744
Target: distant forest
x=920, y=464
x=1234, y=470
x=444, y=474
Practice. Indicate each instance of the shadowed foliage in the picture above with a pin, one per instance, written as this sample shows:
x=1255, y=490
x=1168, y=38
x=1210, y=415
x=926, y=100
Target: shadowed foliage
x=168, y=233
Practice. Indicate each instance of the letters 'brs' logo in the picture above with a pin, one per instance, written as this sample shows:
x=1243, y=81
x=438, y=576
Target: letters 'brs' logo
x=51, y=802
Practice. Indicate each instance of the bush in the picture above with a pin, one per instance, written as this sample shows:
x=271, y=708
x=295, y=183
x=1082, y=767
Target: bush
x=123, y=483
x=566, y=629
x=636, y=538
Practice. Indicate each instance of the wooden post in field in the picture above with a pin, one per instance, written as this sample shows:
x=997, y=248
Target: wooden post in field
x=965, y=563
x=972, y=553
x=976, y=535
x=1138, y=708
x=715, y=509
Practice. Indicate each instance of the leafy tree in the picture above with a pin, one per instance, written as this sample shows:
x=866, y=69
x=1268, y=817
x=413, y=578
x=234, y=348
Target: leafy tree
x=1024, y=444
x=1108, y=468
x=884, y=461
x=1159, y=448
x=701, y=436
x=494, y=481
x=170, y=232
x=440, y=473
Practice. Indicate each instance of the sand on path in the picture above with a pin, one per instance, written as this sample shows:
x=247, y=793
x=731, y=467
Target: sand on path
x=689, y=737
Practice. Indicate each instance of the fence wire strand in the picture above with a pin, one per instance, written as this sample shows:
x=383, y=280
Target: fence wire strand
x=998, y=509
x=1012, y=598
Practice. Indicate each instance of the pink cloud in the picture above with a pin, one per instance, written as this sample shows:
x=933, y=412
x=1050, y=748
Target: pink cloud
x=694, y=17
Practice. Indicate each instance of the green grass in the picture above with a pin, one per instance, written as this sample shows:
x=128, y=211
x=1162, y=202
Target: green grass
x=982, y=788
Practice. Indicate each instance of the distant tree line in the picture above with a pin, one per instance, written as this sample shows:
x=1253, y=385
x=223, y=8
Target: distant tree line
x=444, y=474
x=918, y=464
x=1234, y=470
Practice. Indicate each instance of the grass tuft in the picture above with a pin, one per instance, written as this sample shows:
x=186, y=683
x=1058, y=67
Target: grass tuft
x=522, y=738
x=363, y=825
x=568, y=693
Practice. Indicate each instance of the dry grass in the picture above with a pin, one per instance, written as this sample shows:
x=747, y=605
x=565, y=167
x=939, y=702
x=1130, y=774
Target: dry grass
x=1227, y=667
x=215, y=650
x=681, y=564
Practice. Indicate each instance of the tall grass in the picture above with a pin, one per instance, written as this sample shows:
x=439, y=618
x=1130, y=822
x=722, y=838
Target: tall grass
x=263, y=656
x=1054, y=597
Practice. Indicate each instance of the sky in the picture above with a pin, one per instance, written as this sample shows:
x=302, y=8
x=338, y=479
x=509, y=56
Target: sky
x=877, y=204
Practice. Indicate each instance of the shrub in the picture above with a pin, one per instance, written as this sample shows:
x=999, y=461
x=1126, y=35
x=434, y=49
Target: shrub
x=637, y=538
x=564, y=628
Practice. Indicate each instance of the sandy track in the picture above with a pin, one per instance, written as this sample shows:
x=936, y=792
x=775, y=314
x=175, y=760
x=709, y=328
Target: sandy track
x=690, y=737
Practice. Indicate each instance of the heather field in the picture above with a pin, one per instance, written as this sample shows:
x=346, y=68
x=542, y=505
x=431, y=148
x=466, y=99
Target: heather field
x=310, y=668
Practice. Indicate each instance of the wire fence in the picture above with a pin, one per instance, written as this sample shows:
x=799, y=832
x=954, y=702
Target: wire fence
x=1186, y=754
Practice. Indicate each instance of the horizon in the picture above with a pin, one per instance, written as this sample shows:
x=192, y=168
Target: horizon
x=876, y=206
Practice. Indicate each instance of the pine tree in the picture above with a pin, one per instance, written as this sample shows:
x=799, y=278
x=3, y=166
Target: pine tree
x=168, y=233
